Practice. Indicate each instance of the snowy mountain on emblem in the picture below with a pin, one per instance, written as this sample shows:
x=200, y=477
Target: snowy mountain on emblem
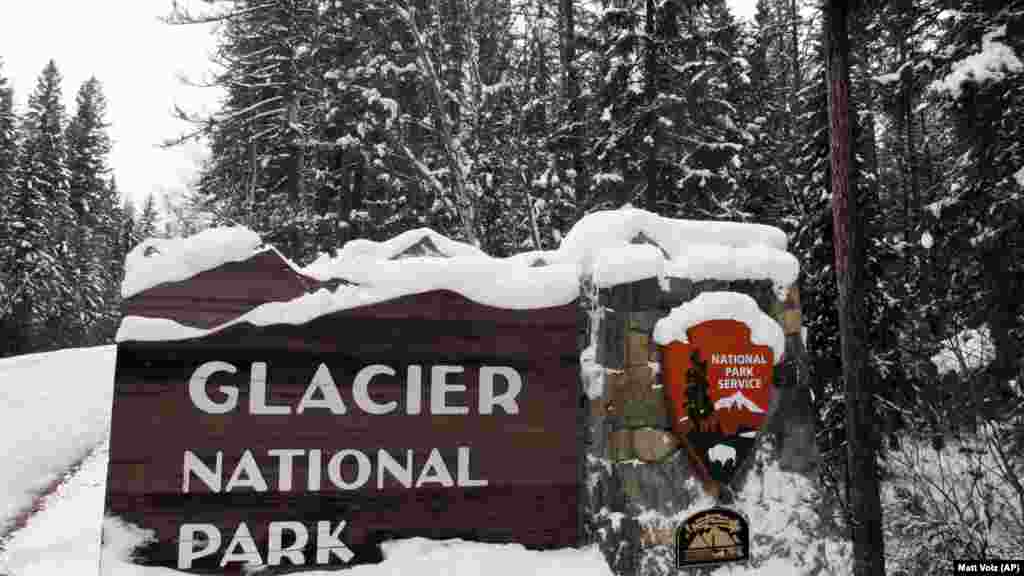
x=737, y=401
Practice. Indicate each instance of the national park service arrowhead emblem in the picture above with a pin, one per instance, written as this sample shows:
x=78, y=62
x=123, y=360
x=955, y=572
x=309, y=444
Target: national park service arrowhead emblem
x=712, y=536
x=719, y=387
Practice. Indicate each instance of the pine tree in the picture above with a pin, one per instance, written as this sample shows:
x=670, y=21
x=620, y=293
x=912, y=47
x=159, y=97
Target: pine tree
x=770, y=154
x=109, y=230
x=981, y=210
x=88, y=147
x=145, y=226
x=8, y=196
x=128, y=230
x=698, y=402
x=259, y=172
x=714, y=167
x=8, y=155
x=43, y=218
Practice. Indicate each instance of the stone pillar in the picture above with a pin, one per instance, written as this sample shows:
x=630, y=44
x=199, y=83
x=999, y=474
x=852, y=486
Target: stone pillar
x=637, y=478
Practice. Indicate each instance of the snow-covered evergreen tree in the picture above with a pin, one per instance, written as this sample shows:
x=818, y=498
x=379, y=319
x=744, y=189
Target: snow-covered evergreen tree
x=95, y=235
x=9, y=331
x=43, y=218
x=980, y=82
x=88, y=147
x=145, y=224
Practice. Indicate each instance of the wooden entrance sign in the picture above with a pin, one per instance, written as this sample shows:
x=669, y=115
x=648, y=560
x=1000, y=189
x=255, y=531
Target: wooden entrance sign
x=719, y=387
x=307, y=445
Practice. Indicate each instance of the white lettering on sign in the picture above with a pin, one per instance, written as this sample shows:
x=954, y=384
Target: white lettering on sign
x=322, y=391
x=242, y=547
x=197, y=389
x=300, y=536
x=507, y=399
x=738, y=359
x=739, y=384
x=739, y=371
x=345, y=470
x=258, y=393
x=248, y=477
x=323, y=383
x=439, y=389
x=361, y=390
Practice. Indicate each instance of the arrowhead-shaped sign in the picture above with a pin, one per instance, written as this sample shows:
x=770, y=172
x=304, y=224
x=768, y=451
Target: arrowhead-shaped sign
x=719, y=387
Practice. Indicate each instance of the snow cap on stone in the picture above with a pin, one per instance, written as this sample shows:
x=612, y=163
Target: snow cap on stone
x=764, y=330
x=600, y=244
x=158, y=260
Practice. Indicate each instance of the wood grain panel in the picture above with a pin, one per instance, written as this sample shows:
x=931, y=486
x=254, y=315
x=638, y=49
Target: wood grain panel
x=529, y=459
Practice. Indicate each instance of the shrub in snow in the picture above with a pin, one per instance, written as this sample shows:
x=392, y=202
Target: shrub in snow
x=940, y=507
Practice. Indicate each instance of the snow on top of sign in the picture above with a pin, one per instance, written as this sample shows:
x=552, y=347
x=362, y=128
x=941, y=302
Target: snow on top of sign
x=362, y=251
x=722, y=262
x=483, y=280
x=159, y=260
x=613, y=247
x=629, y=263
x=609, y=228
x=618, y=246
x=764, y=330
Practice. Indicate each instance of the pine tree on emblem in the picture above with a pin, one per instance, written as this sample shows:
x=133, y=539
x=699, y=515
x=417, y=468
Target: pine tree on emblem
x=698, y=402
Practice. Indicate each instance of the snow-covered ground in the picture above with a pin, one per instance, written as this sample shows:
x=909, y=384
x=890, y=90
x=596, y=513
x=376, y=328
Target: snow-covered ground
x=63, y=538
x=54, y=408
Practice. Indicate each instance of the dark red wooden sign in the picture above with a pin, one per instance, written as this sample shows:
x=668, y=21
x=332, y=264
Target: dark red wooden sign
x=285, y=446
x=719, y=387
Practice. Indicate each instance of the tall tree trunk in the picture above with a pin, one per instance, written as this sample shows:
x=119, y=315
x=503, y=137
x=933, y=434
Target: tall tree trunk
x=790, y=161
x=911, y=183
x=574, y=106
x=296, y=185
x=539, y=121
x=868, y=545
x=455, y=55
x=650, y=94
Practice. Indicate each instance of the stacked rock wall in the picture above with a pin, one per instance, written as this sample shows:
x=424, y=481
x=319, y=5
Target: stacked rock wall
x=638, y=475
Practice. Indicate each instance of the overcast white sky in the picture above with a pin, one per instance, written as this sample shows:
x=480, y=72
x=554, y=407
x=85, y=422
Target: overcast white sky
x=138, y=60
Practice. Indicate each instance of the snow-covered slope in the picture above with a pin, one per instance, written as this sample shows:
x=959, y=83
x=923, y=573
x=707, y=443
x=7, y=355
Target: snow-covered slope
x=63, y=538
x=54, y=408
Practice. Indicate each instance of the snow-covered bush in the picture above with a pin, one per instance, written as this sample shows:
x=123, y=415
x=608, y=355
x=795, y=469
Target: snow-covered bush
x=965, y=502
